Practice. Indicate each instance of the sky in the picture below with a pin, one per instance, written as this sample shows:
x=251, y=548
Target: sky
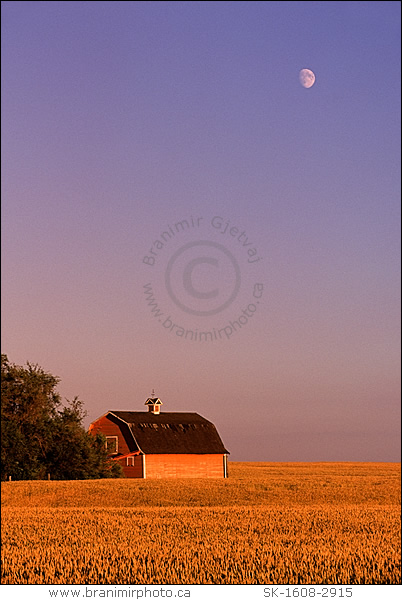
x=181, y=214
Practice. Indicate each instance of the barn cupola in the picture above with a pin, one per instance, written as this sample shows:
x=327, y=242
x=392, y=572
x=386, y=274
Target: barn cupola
x=154, y=404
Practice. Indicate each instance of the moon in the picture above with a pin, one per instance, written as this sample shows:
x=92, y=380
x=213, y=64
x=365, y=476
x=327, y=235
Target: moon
x=306, y=78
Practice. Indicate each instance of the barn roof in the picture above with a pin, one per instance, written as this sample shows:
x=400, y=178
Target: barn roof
x=170, y=433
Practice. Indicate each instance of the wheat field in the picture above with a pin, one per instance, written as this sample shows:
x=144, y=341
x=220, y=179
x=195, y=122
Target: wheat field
x=268, y=523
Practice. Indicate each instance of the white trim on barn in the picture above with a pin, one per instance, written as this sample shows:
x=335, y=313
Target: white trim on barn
x=116, y=443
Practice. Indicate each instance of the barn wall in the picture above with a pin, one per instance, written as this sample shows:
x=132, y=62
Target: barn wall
x=158, y=466
x=106, y=427
x=130, y=471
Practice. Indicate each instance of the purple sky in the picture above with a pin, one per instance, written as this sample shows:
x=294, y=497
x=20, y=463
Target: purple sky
x=121, y=119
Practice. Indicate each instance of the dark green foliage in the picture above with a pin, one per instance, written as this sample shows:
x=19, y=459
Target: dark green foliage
x=75, y=453
x=40, y=436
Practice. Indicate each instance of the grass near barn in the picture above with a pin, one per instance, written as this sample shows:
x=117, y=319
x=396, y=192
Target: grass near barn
x=269, y=523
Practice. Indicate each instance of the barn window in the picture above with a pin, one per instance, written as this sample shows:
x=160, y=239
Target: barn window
x=129, y=461
x=112, y=444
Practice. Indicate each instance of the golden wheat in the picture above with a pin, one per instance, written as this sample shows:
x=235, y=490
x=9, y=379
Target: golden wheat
x=267, y=524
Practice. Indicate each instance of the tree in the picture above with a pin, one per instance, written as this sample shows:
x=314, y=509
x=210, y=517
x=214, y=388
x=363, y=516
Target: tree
x=76, y=454
x=40, y=436
x=29, y=402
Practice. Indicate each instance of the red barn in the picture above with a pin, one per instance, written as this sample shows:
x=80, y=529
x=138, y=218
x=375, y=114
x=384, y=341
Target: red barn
x=156, y=444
